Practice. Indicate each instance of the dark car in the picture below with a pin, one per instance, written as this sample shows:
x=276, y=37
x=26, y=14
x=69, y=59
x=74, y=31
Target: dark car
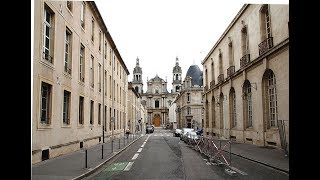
x=149, y=129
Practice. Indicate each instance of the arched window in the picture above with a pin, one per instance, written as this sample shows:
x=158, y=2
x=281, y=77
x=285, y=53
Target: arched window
x=221, y=98
x=213, y=112
x=207, y=113
x=270, y=98
x=232, y=108
x=188, y=97
x=177, y=77
x=247, y=103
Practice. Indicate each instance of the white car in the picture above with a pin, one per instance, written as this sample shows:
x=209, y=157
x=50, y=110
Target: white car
x=177, y=133
x=184, y=133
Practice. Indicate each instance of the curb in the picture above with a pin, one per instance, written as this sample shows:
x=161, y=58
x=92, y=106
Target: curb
x=98, y=166
x=279, y=169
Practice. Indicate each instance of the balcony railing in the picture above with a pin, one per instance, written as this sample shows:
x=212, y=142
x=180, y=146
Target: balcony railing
x=220, y=78
x=206, y=88
x=265, y=45
x=47, y=57
x=244, y=60
x=212, y=83
x=230, y=71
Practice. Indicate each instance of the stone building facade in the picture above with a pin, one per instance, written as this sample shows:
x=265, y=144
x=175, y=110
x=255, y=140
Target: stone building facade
x=246, y=78
x=79, y=79
x=157, y=99
x=189, y=105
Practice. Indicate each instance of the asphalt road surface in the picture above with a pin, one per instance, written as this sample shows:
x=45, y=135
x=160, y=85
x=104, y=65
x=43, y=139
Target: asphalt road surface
x=159, y=155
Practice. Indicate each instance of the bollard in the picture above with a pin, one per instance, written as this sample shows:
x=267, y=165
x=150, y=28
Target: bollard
x=86, y=159
x=119, y=142
x=102, y=151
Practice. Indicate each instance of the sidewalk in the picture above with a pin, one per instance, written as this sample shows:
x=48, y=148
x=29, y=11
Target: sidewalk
x=272, y=157
x=72, y=165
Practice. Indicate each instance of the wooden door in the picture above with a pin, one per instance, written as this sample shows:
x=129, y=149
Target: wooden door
x=156, y=120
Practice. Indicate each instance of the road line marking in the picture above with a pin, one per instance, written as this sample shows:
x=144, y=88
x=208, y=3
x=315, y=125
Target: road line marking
x=155, y=135
x=135, y=156
x=168, y=135
x=238, y=171
x=129, y=165
x=139, y=150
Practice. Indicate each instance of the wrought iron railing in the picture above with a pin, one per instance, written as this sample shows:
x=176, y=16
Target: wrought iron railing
x=230, y=71
x=244, y=60
x=212, y=83
x=220, y=78
x=265, y=45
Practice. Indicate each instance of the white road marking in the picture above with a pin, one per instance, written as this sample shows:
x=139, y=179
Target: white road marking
x=140, y=149
x=142, y=145
x=129, y=165
x=168, y=135
x=155, y=135
x=135, y=156
x=238, y=171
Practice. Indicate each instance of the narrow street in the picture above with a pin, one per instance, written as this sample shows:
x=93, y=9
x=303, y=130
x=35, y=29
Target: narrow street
x=159, y=155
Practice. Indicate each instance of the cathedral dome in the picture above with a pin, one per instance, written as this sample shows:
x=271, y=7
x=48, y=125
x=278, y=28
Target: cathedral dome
x=196, y=74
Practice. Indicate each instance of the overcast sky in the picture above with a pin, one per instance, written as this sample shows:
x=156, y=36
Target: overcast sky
x=157, y=31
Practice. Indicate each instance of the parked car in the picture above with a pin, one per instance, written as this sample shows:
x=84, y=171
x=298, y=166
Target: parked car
x=184, y=132
x=177, y=133
x=191, y=137
x=149, y=129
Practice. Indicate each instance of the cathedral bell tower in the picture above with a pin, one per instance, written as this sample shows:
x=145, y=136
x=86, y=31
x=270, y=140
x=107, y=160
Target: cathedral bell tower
x=137, y=83
x=176, y=81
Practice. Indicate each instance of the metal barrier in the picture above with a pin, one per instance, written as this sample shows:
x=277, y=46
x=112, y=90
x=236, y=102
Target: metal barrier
x=211, y=147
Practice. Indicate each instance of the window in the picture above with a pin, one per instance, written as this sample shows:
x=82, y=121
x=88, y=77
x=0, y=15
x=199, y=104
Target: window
x=67, y=55
x=81, y=110
x=270, y=98
x=91, y=112
x=100, y=41
x=244, y=41
x=92, y=29
x=247, y=103
x=48, y=34
x=220, y=64
x=66, y=107
x=110, y=118
x=212, y=72
x=105, y=119
x=114, y=119
x=207, y=114
x=177, y=77
x=231, y=59
x=156, y=103
x=82, y=14
x=45, y=106
x=92, y=71
x=82, y=64
x=69, y=5
x=188, y=110
x=99, y=114
x=105, y=50
x=99, y=77
x=265, y=25
x=213, y=112
x=105, y=84
x=110, y=86
x=206, y=76
x=188, y=97
x=232, y=103
x=221, y=110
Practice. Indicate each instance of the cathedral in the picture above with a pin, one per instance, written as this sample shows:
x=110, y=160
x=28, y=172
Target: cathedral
x=157, y=99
